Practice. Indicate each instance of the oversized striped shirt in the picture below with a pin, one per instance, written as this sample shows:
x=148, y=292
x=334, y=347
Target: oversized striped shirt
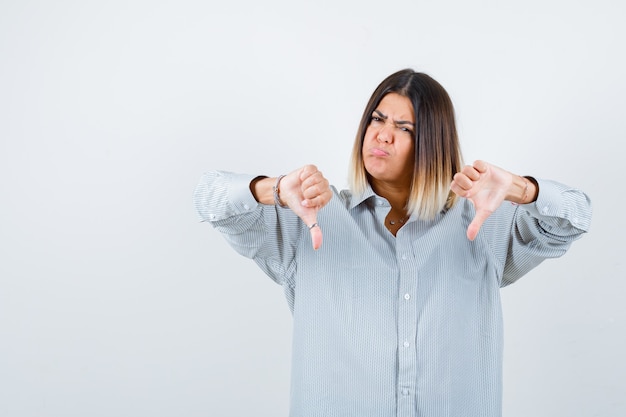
x=405, y=325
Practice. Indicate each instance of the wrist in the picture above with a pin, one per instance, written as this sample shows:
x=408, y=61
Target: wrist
x=261, y=188
x=276, y=192
x=523, y=190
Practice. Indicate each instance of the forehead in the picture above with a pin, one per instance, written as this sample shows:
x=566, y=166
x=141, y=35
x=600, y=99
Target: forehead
x=397, y=107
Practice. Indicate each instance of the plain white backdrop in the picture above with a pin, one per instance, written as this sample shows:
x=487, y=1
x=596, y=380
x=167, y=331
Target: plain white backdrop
x=116, y=301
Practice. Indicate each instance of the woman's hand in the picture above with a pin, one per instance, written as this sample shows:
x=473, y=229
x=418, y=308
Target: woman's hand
x=305, y=191
x=487, y=186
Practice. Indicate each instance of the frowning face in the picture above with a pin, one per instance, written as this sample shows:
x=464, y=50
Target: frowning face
x=388, y=146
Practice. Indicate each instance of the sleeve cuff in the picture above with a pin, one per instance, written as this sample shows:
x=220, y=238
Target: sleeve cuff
x=556, y=200
x=548, y=203
x=239, y=194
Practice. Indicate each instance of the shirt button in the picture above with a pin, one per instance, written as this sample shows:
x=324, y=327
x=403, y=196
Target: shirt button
x=211, y=216
x=544, y=210
x=405, y=391
x=407, y=296
x=404, y=257
x=407, y=344
x=247, y=207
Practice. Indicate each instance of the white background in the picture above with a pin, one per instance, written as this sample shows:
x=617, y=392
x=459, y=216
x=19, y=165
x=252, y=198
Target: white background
x=116, y=301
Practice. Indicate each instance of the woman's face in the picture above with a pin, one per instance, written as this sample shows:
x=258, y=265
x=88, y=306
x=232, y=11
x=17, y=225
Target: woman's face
x=388, y=147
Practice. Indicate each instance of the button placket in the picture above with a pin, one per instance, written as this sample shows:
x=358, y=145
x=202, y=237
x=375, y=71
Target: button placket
x=407, y=355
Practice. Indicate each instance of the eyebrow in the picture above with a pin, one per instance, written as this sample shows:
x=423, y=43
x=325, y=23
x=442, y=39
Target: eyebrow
x=397, y=122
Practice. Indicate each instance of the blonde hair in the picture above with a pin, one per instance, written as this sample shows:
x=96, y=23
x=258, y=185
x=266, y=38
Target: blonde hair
x=437, y=151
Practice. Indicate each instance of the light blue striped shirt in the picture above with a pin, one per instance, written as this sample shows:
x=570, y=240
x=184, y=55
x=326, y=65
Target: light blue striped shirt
x=394, y=326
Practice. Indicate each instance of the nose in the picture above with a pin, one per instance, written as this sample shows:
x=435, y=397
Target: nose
x=385, y=134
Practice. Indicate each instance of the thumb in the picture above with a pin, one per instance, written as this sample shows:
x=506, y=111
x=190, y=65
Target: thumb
x=477, y=222
x=310, y=221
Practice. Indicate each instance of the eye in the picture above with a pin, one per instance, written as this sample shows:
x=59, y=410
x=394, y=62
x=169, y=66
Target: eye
x=375, y=119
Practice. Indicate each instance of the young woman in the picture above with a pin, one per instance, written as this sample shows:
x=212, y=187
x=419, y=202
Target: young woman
x=398, y=312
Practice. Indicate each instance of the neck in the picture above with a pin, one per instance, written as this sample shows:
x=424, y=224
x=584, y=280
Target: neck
x=396, y=194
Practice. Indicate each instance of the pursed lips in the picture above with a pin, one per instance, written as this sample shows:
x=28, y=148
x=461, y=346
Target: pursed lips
x=378, y=152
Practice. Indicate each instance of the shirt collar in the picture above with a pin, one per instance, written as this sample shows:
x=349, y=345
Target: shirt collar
x=367, y=195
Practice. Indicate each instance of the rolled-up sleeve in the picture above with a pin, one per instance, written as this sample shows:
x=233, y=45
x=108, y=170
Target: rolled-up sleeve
x=220, y=195
x=561, y=208
x=265, y=233
x=546, y=228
